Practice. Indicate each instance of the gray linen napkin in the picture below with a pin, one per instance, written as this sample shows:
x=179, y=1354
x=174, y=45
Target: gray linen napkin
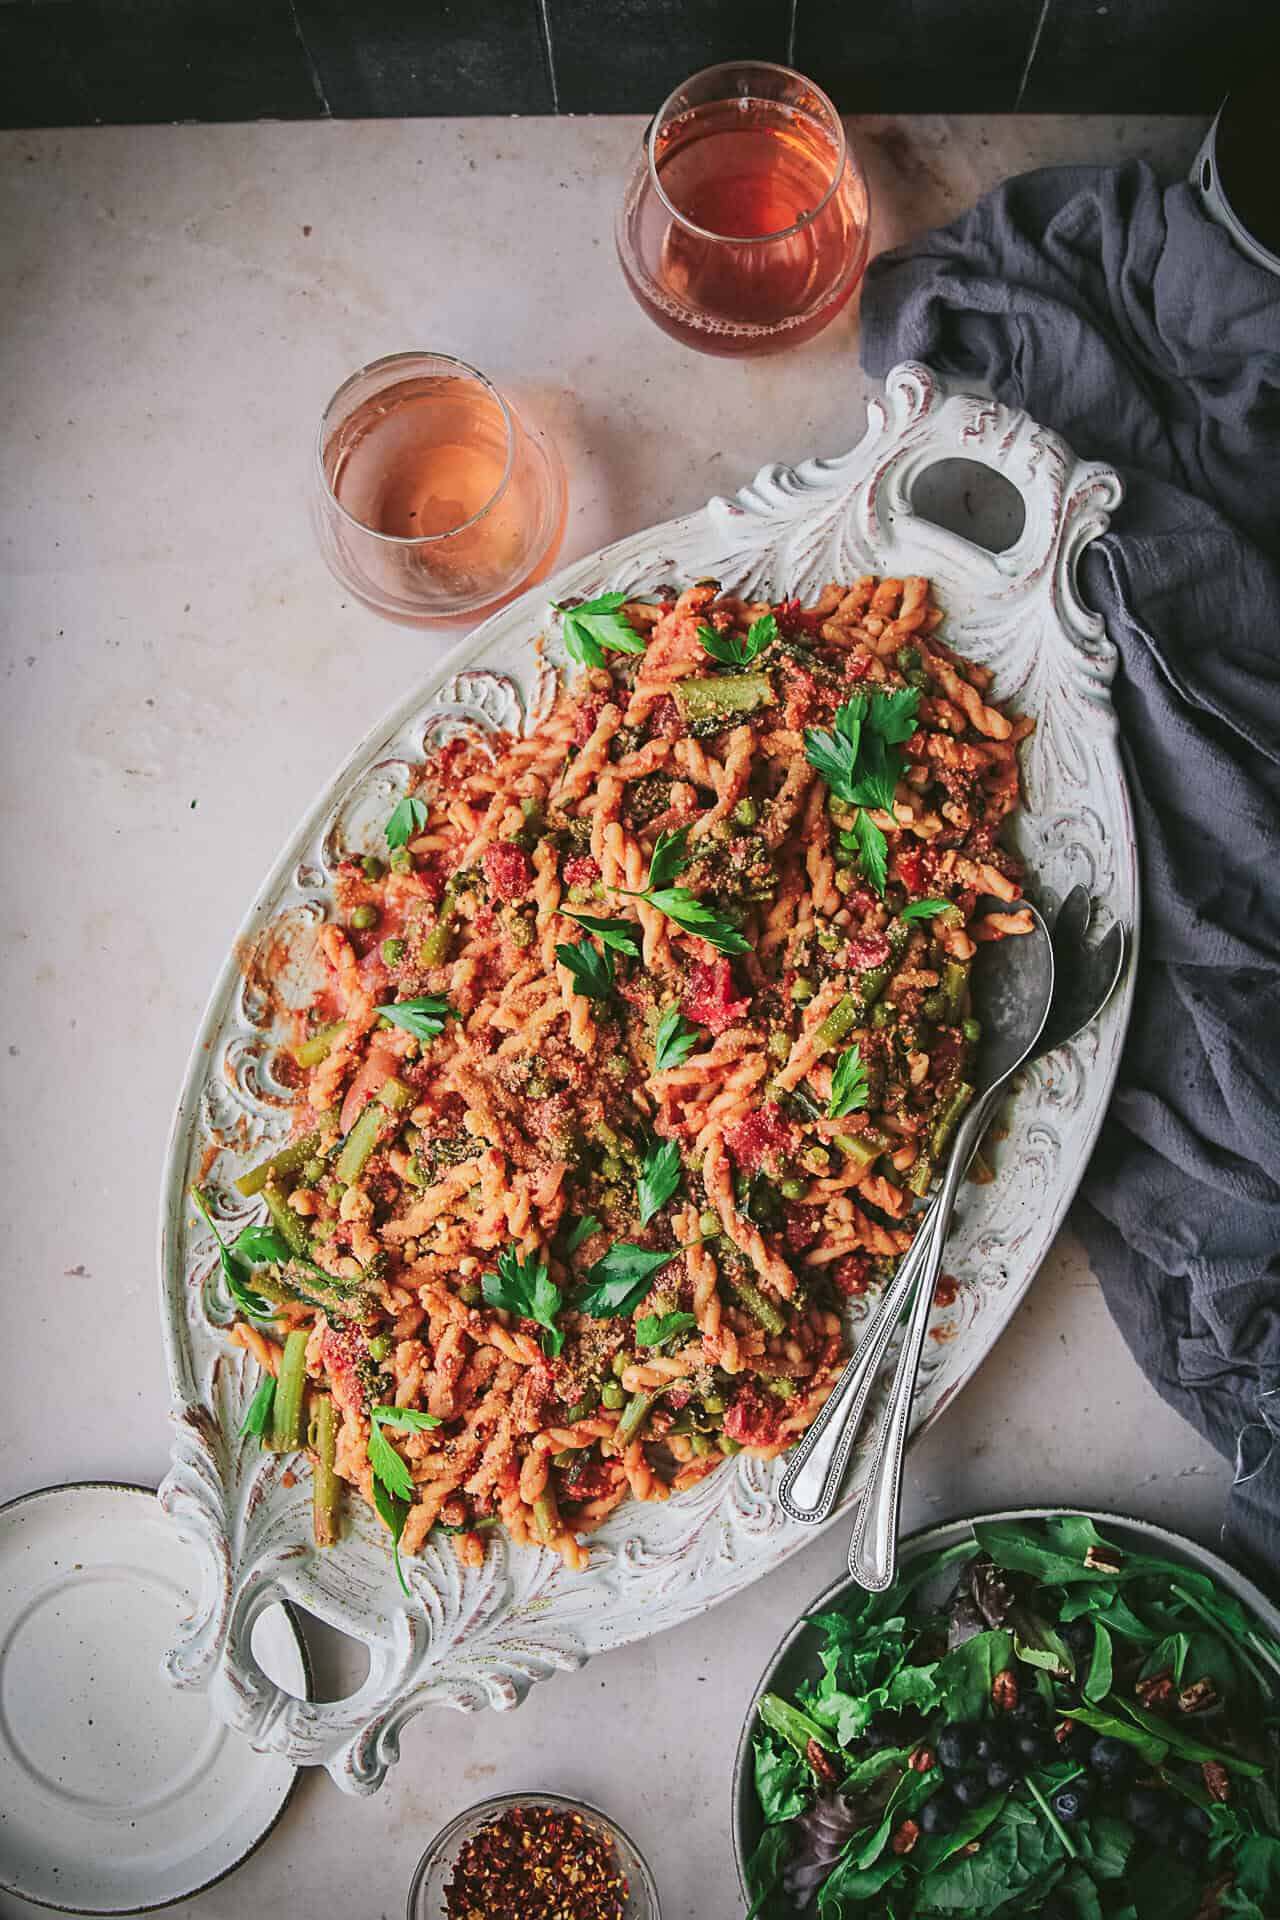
x=1113, y=310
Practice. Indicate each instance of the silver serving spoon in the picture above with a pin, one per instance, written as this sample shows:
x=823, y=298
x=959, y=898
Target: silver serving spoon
x=1014, y=986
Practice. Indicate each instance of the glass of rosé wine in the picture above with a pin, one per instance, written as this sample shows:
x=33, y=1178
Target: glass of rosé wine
x=744, y=226
x=431, y=498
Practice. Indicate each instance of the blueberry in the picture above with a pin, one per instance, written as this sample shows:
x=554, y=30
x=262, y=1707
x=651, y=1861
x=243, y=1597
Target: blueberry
x=1035, y=1746
x=1078, y=1635
x=1151, y=1814
x=882, y=1731
x=1190, y=1847
x=1112, y=1758
x=955, y=1746
x=1078, y=1744
x=993, y=1743
x=939, y=1814
x=970, y=1789
x=1029, y=1712
x=1072, y=1801
x=1000, y=1775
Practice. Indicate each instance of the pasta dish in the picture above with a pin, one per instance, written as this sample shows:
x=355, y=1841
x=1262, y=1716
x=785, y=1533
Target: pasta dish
x=631, y=1051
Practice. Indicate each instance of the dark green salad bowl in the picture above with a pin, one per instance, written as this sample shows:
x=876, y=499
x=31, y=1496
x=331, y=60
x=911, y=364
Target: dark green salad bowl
x=797, y=1662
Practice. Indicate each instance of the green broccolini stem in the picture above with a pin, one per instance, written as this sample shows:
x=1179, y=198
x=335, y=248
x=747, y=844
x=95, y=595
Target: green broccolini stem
x=948, y=1120
x=722, y=696
x=290, y=1159
x=319, y=1045
x=286, y=1424
x=634, y=1415
x=326, y=1487
x=435, y=947
x=546, y=1516
x=392, y=1098
x=757, y=1304
x=289, y=1225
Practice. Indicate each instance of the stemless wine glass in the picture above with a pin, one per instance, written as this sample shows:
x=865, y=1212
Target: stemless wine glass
x=744, y=226
x=431, y=497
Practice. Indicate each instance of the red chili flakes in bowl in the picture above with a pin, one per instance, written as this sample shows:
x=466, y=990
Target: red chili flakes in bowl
x=536, y=1863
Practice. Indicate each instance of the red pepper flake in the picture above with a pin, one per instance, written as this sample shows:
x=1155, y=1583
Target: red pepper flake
x=537, y=1863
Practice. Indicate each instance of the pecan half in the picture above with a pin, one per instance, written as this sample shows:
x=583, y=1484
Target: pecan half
x=1156, y=1690
x=1199, y=1695
x=821, y=1762
x=1004, y=1691
x=921, y=1760
x=1102, y=1560
x=1064, y=1730
x=1217, y=1782
x=905, y=1836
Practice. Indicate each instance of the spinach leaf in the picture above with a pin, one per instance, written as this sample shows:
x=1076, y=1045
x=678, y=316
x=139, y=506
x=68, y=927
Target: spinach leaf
x=796, y=1728
x=1097, y=1682
x=1182, y=1743
x=966, y=1674
x=782, y=1781
x=1149, y=1745
x=1055, y=1564
x=850, y=1883
x=764, y=1870
x=1017, y=1850
x=1168, y=1655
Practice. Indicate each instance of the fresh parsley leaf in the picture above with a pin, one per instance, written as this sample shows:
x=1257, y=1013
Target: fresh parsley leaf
x=730, y=651
x=409, y=817
x=387, y=1465
x=407, y=1417
x=258, y=1417
x=668, y=857
x=689, y=912
x=923, y=909
x=424, y=1017
x=262, y=1245
x=621, y=936
x=871, y=847
x=582, y=1231
x=596, y=624
x=234, y=1271
x=674, y=1040
x=592, y=970
x=834, y=756
x=893, y=715
x=394, y=1513
x=522, y=1286
x=654, y=1328
x=876, y=776
x=619, y=1280
x=848, y=1084
x=659, y=1177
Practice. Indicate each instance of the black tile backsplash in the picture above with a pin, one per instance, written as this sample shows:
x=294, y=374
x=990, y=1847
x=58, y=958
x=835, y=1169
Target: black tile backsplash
x=70, y=62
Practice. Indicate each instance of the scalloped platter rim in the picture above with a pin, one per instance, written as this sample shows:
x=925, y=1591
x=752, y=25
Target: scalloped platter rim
x=480, y=1637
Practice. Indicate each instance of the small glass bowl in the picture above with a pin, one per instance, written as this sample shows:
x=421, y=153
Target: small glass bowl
x=435, y=1869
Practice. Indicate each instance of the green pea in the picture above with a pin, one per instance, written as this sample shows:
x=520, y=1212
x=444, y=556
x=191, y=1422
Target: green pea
x=746, y=813
x=313, y=1171
x=581, y=1408
x=612, y=1396
x=565, y=1457
x=828, y=939
x=784, y=1389
x=972, y=1031
x=611, y=1167
x=792, y=1189
x=579, y=894
x=709, y=1221
x=702, y=1443
x=520, y=930
x=778, y=1046
x=728, y=1446
x=335, y=1193
x=801, y=990
x=393, y=952
x=883, y=1014
x=934, y=1006
x=379, y=1347
x=401, y=860
x=621, y=1361
x=363, y=918
x=471, y=1293
x=372, y=867
x=713, y=1403
x=844, y=857
x=844, y=875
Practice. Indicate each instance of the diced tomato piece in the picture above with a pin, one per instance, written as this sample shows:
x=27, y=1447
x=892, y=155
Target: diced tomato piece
x=580, y=870
x=344, y=1352
x=860, y=901
x=909, y=868
x=373, y=1073
x=584, y=721
x=801, y=1227
x=507, y=871
x=868, y=950
x=852, y=1274
x=664, y=721
x=752, y=1418
x=679, y=1399
x=708, y=998
x=765, y=1135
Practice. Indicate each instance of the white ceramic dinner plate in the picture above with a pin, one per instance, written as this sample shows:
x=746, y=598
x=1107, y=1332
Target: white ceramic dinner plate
x=475, y=1637
x=116, y=1793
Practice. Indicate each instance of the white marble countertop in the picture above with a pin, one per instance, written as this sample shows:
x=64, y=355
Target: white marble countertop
x=180, y=676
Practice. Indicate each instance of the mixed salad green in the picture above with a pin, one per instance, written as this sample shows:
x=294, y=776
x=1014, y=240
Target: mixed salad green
x=1073, y=1731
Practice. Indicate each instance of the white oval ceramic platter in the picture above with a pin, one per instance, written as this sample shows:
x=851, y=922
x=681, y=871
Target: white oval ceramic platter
x=482, y=1636
x=116, y=1795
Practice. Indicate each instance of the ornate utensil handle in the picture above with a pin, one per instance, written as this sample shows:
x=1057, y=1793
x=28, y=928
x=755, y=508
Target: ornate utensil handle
x=811, y=1485
x=873, y=1551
